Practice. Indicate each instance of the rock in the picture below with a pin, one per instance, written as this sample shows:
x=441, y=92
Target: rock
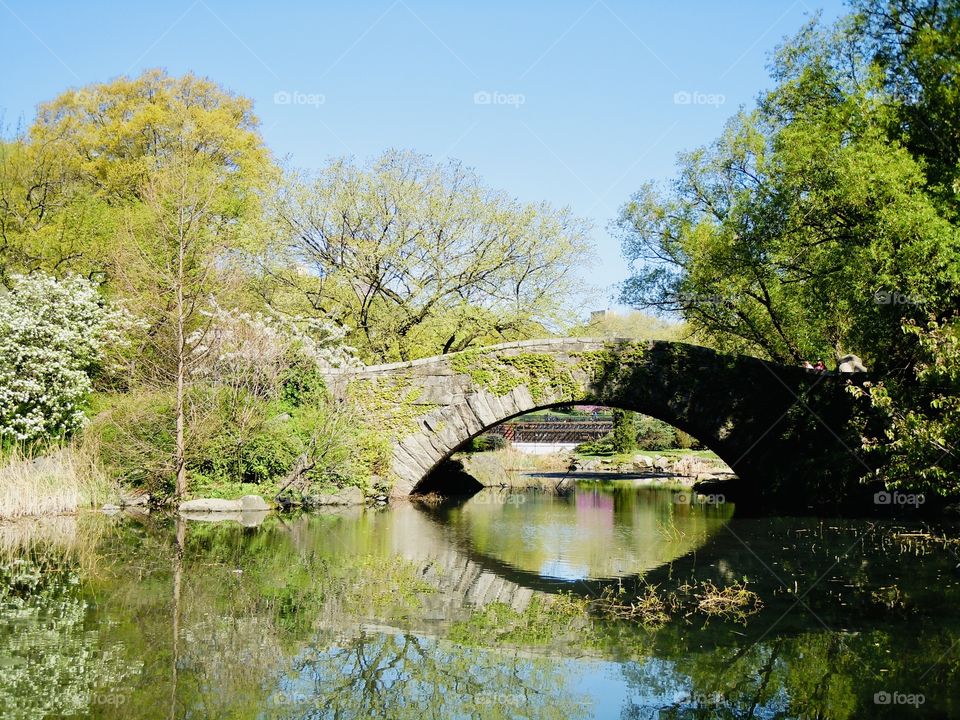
x=642, y=461
x=211, y=505
x=110, y=509
x=345, y=496
x=661, y=463
x=850, y=363
x=137, y=500
x=253, y=503
x=248, y=503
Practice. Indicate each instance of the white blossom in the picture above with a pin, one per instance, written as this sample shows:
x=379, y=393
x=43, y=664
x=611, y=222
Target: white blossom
x=52, y=333
x=253, y=349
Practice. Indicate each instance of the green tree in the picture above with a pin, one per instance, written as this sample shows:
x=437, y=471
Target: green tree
x=824, y=222
x=50, y=221
x=919, y=446
x=803, y=231
x=916, y=44
x=634, y=324
x=624, y=434
x=418, y=257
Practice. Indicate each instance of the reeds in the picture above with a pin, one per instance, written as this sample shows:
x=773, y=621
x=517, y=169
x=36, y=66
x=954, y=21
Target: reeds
x=59, y=481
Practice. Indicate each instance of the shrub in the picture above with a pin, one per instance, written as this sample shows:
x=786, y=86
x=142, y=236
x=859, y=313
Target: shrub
x=53, y=337
x=686, y=441
x=487, y=442
x=134, y=434
x=603, y=446
x=653, y=434
x=624, y=435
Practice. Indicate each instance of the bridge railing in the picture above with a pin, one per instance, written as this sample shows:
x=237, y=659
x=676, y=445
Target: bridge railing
x=554, y=431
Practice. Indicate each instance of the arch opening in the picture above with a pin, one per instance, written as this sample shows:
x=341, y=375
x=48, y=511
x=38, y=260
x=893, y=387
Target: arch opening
x=561, y=432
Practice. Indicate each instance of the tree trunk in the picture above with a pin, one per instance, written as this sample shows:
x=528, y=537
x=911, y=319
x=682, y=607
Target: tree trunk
x=181, y=449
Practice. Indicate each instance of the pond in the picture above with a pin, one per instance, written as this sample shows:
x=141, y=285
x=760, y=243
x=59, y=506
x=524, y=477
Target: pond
x=494, y=607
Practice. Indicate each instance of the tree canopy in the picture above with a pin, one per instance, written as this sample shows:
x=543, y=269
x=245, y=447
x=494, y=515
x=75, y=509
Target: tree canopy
x=418, y=257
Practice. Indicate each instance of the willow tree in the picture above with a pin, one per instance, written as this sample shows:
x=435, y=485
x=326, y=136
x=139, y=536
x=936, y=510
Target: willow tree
x=805, y=230
x=419, y=257
x=824, y=221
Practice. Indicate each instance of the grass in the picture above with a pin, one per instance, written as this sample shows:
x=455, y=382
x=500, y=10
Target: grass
x=672, y=454
x=61, y=480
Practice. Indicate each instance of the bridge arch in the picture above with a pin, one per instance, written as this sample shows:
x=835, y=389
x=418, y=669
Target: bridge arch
x=773, y=425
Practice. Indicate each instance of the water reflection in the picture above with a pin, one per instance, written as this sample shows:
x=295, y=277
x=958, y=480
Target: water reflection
x=595, y=532
x=411, y=612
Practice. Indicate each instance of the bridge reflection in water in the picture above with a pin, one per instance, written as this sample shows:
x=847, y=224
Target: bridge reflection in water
x=502, y=546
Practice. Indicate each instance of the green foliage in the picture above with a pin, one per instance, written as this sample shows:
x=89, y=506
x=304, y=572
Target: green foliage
x=501, y=373
x=685, y=441
x=133, y=433
x=239, y=444
x=919, y=447
x=390, y=403
x=487, y=443
x=653, y=434
x=441, y=258
x=603, y=447
x=623, y=438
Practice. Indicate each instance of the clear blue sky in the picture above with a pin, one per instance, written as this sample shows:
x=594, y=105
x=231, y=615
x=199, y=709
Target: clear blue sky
x=582, y=103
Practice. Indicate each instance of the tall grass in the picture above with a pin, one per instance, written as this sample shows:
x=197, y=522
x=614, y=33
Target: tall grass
x=61, y=480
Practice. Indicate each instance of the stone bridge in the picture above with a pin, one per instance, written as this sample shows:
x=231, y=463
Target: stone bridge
x=785, y=431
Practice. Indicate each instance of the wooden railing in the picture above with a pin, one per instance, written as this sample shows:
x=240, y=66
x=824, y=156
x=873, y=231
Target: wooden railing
x=554, y=431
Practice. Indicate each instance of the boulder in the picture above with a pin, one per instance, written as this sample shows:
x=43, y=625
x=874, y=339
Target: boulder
x=253, y=503
x=642, y=461
x=345, y=496
x=661, y=463
x=137, y=500
x=211, y=505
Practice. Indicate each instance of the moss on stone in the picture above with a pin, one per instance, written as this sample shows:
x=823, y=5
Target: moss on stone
x=607, y=362
x=502, y=373
x=389, y=404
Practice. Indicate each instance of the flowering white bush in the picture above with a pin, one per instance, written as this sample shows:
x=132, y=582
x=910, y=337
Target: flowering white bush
x=52, y=334
x=253, y=350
